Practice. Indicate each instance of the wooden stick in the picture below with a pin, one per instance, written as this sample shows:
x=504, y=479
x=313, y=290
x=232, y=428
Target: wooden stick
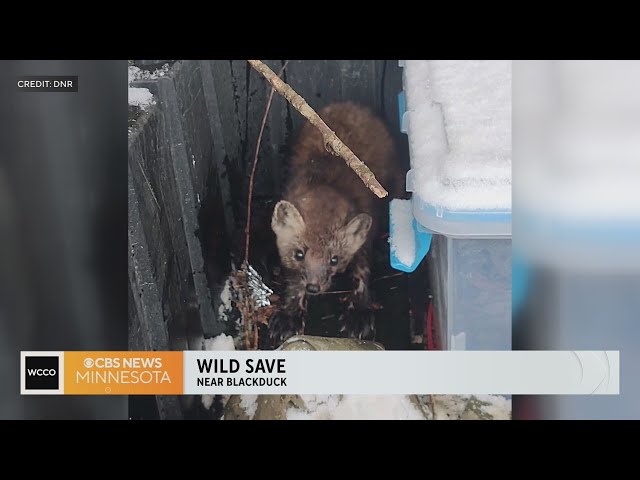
x=253, y=169
x=248, y=224
x=331, y=142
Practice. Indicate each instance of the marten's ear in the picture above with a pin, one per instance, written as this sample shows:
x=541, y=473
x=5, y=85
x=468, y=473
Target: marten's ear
x=355, y=233
x=286, y=220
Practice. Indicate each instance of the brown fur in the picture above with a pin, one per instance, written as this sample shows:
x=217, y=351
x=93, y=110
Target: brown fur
x=366, y=135
x=327, y=210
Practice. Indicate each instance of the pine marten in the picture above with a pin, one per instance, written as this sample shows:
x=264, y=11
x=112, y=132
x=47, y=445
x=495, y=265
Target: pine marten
x=327, y=218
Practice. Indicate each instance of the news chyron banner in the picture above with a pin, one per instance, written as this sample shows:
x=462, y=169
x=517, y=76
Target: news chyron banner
x=102, y=373
x=320, y=372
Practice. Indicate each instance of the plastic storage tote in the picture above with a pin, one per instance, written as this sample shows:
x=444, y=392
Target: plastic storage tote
x=468, y=247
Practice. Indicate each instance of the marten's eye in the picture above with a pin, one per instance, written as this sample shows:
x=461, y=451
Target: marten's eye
x=299, y=255
x=334, y=261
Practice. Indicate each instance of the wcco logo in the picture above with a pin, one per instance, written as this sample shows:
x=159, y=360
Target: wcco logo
x=41, y=372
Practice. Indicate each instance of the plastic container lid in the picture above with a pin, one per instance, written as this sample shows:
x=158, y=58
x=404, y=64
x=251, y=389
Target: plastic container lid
x=467, y=222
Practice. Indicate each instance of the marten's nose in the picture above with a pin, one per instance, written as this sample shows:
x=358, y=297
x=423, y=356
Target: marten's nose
x=313, y=288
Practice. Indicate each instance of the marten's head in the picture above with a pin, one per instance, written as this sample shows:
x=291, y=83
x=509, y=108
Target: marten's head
x=318, y=248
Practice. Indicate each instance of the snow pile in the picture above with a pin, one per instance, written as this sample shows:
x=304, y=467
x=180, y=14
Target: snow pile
x=220, y=343
x=249, y=403
x=465, y=407
x=207, y=401
x=225, y=301
x=403, y=245
x=228, y=312
x=375, y=407
x=459, y=114
x=136, y=73
x=356, y=407
x=140, y=97
x=498, y=407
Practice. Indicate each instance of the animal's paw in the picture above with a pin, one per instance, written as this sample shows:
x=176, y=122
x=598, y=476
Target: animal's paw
x=358, y=321
x=284, y=325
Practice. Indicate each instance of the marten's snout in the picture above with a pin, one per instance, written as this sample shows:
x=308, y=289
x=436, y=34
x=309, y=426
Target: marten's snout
x=317, y=277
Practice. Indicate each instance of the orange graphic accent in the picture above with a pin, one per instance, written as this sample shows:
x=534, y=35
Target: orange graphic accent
x=123, y=373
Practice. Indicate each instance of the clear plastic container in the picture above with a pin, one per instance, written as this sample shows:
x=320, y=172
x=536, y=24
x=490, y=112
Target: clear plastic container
x=471, y=279
x=470, y=259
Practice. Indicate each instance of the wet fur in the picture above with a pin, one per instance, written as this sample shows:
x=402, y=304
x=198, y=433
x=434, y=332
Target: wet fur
x=327, y=211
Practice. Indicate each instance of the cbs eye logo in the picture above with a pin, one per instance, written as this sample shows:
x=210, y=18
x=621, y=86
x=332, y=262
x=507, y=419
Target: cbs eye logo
x=42, y=373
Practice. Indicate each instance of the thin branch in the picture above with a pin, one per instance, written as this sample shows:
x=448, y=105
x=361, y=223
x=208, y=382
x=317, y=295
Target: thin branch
x=253, y=170
x=249, y=312
x=332, y=143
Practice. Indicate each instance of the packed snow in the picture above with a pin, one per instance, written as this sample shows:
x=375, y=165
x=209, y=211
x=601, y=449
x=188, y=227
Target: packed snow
x=140, y=97
x=459, y=127
x=356, y=407
x=249, y=403
x=220, y=343
x=498, y=407
x=403, y=244
x=225, y=300
x=456, y=407
x=136, y=73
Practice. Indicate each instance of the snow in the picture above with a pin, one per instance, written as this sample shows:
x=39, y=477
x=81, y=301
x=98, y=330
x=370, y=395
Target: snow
x=389, y=407
x=225, y=301
x=448, y=407
x=207, y=401
x=403, y=238
x=249, y=403
x=140, y=97
x=220, y=343
x=499, y=407
x=136, y=73
x=454, y=407
x=356, y=407
x=459, y=114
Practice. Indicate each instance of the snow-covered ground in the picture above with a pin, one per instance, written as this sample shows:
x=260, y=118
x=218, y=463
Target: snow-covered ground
x=356, y=407
x=382, y=407
x=465, y=407
x=459, y=128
